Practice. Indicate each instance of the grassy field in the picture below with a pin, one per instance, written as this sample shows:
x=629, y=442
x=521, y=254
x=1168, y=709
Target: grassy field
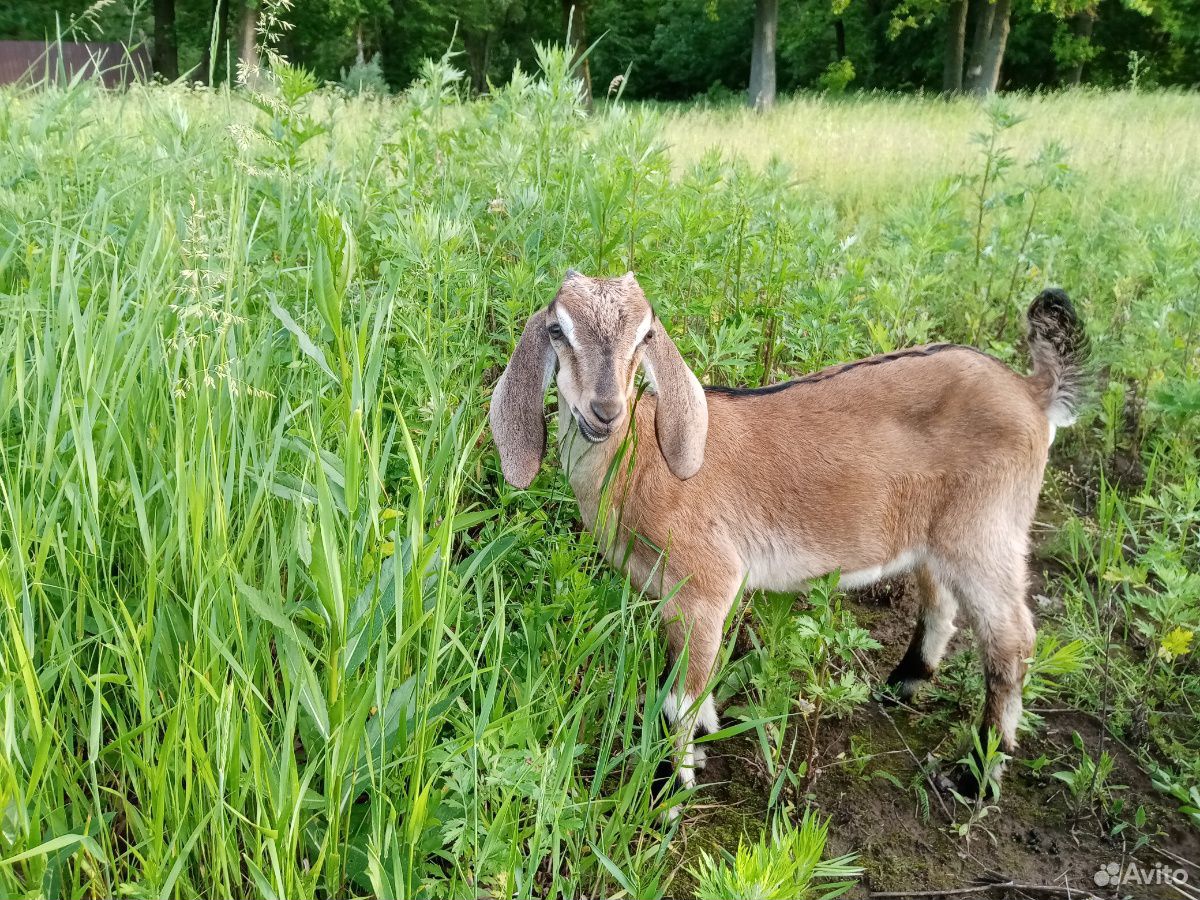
x=272, y=624
x=866, y=147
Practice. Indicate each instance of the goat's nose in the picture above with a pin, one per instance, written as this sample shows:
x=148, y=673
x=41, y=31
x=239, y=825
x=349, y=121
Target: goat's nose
x=607, y=411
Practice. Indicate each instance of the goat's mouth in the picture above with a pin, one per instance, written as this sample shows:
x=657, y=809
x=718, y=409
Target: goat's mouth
x=591, y=433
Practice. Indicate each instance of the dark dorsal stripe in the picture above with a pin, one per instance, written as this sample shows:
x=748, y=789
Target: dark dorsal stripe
x=834, y=371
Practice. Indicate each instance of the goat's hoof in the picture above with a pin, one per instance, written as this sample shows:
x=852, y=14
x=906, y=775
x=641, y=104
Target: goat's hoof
x=908, y=676
x=965, y=782
x=699, y=758
x=900, y=690
x=664, y=783
x=943, y=783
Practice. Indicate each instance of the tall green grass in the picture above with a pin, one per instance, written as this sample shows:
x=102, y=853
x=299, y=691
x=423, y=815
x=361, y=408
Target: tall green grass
x=273, y=626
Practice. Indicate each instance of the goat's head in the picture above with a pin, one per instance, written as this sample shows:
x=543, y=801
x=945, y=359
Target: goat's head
x=595, y=333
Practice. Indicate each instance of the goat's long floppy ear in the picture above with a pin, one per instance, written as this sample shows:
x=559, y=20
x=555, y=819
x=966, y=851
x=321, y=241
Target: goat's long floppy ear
x=681, y=414
x=517, y=413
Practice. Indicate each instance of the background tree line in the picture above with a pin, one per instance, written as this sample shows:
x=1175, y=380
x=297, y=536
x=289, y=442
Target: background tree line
x=672, y=49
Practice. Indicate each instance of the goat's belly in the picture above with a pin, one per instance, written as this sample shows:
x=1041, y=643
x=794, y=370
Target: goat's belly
x=863, y=577
x=776, y=570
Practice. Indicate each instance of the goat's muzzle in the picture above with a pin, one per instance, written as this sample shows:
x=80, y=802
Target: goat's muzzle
x=593, y=434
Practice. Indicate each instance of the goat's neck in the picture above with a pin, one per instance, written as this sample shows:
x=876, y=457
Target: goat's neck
x=588, y=465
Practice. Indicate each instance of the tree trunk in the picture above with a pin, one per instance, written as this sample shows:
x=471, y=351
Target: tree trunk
x=166, y=49
x=993, y=55
x=360, y=57
x=1085, y=24
x=839, y=32
x=762, y=57
x=479, y=48
x=574, y=21
x=391, y=42
x=984, y=13
x=956, y=40
x=248, y=61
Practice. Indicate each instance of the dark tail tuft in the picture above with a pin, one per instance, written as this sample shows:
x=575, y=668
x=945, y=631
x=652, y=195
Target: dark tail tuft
x=1059, y=347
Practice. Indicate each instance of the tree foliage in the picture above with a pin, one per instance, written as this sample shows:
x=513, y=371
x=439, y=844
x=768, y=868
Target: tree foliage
x=673, y=49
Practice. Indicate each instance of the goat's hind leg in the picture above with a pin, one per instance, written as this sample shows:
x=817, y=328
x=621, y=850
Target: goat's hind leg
x=994, y=602
x=935, y=627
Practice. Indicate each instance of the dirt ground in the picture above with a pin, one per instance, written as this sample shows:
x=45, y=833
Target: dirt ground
x=1035, y=837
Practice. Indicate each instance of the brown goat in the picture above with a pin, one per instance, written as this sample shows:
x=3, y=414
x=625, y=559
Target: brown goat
x=928, y=459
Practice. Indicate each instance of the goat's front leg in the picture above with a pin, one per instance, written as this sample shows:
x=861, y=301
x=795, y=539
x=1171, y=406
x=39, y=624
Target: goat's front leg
x=695, y=621
x=935, y=628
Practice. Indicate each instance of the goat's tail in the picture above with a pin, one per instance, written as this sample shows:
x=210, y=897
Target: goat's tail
x=1059, y=347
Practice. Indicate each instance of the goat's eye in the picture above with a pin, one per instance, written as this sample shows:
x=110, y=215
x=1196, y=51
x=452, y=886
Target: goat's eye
x=555, y=330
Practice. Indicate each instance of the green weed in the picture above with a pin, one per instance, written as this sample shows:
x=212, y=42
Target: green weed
x=784, y=867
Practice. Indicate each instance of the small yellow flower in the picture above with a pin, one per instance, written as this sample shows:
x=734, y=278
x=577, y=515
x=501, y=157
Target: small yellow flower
x=1177, y=643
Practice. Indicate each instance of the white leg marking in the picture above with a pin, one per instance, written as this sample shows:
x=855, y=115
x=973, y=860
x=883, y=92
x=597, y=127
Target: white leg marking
x=671, y=708
x=939, y=626
x=704, y=715
x=687, y=767
x=707, y=720
x=685, y=716
x=1010, y=718
x=708, y=716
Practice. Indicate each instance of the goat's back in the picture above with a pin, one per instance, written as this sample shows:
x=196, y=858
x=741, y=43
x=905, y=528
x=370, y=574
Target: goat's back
x=864, y=460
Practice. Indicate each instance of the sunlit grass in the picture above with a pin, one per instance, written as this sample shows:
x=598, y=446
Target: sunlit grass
x=872, y=146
